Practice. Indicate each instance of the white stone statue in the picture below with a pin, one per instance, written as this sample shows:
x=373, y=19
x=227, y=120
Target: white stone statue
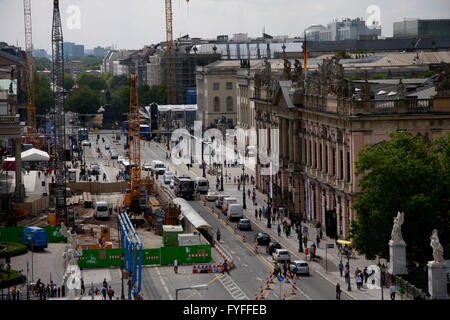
x=438, y=250
x=396, y=234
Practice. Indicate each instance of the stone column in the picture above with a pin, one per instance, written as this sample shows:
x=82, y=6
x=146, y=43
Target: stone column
x=437, y=280
x=291, y=140
x=397, y=261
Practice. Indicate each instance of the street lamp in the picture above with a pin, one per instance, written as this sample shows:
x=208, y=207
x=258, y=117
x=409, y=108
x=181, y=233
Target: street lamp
x=197, y=287
x=382, y=277
x=269, y=205
x=203, y=160
x=349, y=288
x=31, y=238
x=244, y=206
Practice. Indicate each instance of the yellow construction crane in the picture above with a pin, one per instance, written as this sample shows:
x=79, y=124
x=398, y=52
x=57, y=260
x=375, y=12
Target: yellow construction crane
x=132, y=198
x=31, y=136
x=170, y=54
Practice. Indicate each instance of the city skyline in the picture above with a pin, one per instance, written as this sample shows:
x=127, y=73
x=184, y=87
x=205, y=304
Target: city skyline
x=124, y=25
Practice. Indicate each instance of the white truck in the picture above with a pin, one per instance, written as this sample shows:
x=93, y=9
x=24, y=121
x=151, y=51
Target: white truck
x=201, y=184
x=226, y=202
x=235, y=211
x=101, y=210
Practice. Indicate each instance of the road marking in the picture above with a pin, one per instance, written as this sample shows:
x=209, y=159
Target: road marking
x=233, y=289
x=164, y=284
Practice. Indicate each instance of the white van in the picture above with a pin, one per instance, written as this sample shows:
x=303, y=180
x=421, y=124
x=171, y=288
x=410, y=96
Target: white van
x=158, y=167
x=226, y=202
x=202, y=184
x=235, y=211
x=101, y=210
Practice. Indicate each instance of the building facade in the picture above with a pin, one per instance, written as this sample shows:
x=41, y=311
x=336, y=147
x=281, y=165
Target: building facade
x=347, y=29
x=216, y=93
x=323, y=122
x=418, y=28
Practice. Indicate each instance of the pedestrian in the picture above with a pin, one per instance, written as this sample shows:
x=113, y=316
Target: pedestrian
x=285, y=269
x=279, y=230
x=83, y=289
x=225, y=267
x=256, y=213
x=175, y=265
x=218, y=235
x=341, y=267
x=305, y=240
x=104, y=176
x=318, y=241
x=275, y=269
x=105, y=284
x=366, y=275
x=338, y=291
x=110, y=293
x=39, y=174
x=13, y=292
x=359, y=281
x=104, y=291
x=392, y=290
x=260, y=213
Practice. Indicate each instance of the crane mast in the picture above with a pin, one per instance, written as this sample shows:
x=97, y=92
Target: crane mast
x=58, y=116
x=170, y=54
x=132, y=199
x=31, y=108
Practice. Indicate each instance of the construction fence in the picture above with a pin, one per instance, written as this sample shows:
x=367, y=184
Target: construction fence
x=12, y=234
x=101, y=258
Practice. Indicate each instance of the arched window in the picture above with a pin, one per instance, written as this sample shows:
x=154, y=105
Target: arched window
x=229, y=104
x=216, y=104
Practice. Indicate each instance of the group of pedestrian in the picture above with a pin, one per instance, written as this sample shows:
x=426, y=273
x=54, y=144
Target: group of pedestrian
x=361, y=277
x=280, y=268
x=106, y=291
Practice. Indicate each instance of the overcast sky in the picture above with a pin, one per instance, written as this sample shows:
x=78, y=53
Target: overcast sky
x=131, y=24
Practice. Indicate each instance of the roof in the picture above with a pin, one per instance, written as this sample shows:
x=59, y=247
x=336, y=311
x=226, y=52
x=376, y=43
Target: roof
x=35, y=155
x=191, y=215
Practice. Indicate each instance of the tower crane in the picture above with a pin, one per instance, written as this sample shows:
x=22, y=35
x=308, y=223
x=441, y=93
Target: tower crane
x=58, y=117
x=132, y=198
x=31, y=136
x=170, y=54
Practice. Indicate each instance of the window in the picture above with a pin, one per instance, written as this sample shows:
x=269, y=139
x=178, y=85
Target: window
x=348, y=167
x=216, y=104
x=320, y=157
x=229, y=104
x=333, y=162
x=341, y=164
x=326, y=159
x=315, y=155
x=310, y=152
x=216, y=86
x=229, y=85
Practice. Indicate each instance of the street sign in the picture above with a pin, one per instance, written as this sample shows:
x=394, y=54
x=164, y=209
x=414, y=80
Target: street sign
x=280, y=278
x=330, y=245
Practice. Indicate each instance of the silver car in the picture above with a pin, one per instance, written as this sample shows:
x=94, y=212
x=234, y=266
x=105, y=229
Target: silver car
x=301, y=265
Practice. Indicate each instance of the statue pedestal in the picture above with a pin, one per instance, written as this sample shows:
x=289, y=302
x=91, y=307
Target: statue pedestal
x=437, y=280
x=397, y=254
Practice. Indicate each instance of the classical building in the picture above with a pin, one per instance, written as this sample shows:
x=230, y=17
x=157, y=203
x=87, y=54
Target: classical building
x=323, y=122
x=216, y=93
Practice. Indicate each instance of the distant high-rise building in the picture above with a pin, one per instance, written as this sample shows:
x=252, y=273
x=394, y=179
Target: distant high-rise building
x=39, y=53
x=99, y=51
x=78, y=50
x=68, y=49
x=418, y=28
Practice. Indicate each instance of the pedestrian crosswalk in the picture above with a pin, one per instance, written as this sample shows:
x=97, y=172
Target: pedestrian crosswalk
x=232, y=288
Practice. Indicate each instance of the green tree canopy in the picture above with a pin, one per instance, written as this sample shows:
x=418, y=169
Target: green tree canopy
x=44, y=99
x=407, y=174
x=41, y=63
x=117, y=81
x=83, y=100
x=68, y=82
x=93, y=82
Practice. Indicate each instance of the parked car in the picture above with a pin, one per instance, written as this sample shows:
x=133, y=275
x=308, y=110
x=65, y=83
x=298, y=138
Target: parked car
x=107, y=146
x=168, y=177
x=147, y=167
x=86, y=143
x=281, y=255
x=101, y=210
x=272, y=247
x=302, y=266
x=211, y=196
x=244, y=224
x=262, y=239
x=158, y=167
x=95, y=169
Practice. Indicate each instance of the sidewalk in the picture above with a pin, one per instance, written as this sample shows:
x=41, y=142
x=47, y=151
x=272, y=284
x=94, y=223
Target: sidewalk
x=327, y=264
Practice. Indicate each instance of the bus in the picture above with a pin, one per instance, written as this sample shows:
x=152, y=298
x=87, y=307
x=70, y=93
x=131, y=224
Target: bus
x=184, y=187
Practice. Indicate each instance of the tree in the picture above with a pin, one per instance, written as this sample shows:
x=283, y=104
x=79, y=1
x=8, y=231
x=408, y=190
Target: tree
x=83, y=100
x=44, y=99
x=68, y=82
x=41, y=63
x=120, y=100
x=407, y=174
x=93, y=82
x=118, y=81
